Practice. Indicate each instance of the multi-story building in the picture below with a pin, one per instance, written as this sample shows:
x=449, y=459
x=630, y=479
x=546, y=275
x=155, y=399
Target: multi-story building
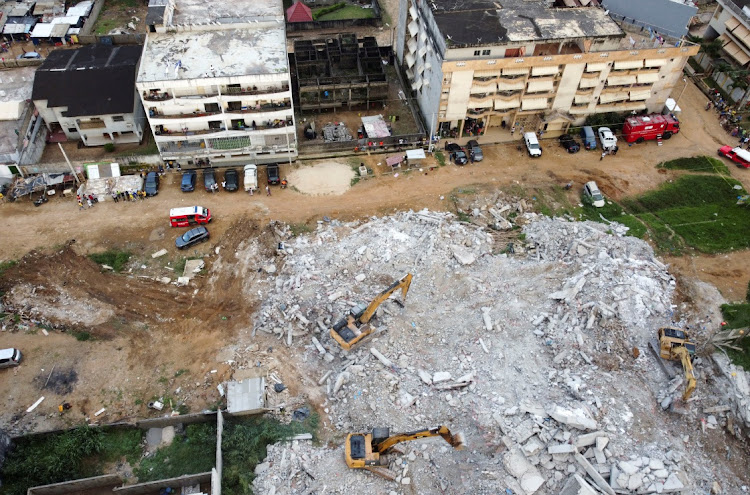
x=485, y=63
x=214, y=79
x=22, y=131
x=89, y=94
x=731, y=24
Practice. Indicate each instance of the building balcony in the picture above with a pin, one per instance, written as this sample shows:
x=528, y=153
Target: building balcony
x=267, y=108
x=158, y=116
x=160, y=96
x=478, y=112
x=621, y=106
x=476, y=100
x=254, y=90
x=485, y=81
x=163, y=132
x=98, y=124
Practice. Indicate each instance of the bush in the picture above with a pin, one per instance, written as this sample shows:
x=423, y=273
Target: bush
x=327, y=10
x=191, y=453
x=113, y=258
x=613, y=120
x=109, y=147
x=696, y=164
x=747, y=296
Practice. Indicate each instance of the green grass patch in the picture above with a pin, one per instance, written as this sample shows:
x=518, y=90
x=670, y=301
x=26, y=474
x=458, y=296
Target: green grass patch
x=342, y=11
x=5, y=265
x=738, y=316
x=77, y=453
x=190, y=453
x=440, y=157
x=299, y=228
x=700, y=209
x=81, y=336
x=614, y=213
x=244, y=446
x=696, y=164
x=115, y=259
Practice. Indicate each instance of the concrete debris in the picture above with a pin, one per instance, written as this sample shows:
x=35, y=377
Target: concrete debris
x=159, y=253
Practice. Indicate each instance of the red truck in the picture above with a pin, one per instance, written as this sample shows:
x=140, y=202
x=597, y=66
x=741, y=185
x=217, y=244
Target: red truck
x=642, y=127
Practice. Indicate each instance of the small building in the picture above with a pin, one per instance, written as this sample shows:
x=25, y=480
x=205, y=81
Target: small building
x=89, y=94
x=22, y=132
x=665, y=17
x=299, y=12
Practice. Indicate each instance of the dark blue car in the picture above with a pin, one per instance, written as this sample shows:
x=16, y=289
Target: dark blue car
x=188, y=181
x=151, y=187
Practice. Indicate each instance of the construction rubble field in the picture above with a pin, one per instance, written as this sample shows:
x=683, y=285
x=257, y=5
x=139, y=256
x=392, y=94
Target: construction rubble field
x=527, y=334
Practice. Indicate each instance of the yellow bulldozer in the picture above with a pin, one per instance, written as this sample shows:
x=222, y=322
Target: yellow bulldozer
x=675, y=345
x=355, y=326
x=367, y=450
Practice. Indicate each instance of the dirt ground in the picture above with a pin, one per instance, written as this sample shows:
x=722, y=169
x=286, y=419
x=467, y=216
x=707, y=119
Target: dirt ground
x=166, y=341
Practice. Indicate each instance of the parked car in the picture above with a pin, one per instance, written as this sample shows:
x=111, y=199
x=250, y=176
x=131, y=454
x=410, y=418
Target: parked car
x=188, y=181
x=532, y=144
x=192, y=237
x=475, y=152
x=607, y=137
x=151, y=187
x=569, y=143
x=272, y=171
x=588, y=137
x=251, y=177
x=29, y=55
x=231, y=180
x=456, y=154
x=9, y=357
x=592, y=192
x=209, y=179
x=737, y=155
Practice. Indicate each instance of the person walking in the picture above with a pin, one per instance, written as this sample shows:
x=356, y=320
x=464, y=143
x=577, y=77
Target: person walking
x=80, y=205
x=114, y=196
x=88, y=201
x=268, y=191
x=603, y=154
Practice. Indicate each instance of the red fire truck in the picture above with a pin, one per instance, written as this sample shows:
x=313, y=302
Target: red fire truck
x=639, y=128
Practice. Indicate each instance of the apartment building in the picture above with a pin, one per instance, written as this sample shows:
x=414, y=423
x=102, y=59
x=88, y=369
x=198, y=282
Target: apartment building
x=731, y=24
x=89, y=94
x=22, y=131
x=214, y=80
x=538, y=64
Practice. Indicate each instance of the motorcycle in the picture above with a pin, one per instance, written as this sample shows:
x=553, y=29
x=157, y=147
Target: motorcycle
x=41, y=200
x=284, y=183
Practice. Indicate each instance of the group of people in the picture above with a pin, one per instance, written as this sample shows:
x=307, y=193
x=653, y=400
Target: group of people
x=86, y=201
x=728, y=118
x=118, y=196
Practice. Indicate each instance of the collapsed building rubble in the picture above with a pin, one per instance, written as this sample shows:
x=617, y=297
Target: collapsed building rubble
x=533, y=356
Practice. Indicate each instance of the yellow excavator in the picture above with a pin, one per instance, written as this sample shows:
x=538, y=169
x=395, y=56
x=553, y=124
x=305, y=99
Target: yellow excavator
x=355, y=326
x=675, y=345
x=367, y=450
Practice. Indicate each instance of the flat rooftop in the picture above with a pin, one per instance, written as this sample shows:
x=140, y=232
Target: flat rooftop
x=487, y=22
x=226, y=12
x=16, y=84
x=221, y=53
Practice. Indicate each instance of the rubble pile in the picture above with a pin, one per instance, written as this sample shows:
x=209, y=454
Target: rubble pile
x=520, y=353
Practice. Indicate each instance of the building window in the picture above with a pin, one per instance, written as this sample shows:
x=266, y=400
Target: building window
x=485, y=52
x=72, y=129
x=214, y=124
x=126, y=132
x=513, y=52
x=118, y=118
x=212, y=107
x=477, y=52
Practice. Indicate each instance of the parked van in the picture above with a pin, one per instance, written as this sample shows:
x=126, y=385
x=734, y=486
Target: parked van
x=9, y=357
x=189, y=215
x=532, y=144
x=588, y=137
x=251, y=177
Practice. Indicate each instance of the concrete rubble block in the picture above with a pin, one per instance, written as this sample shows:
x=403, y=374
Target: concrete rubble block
x=627, y=467
x=601, y=443
x=520, y=468
x=635, y=481
x=589, y=438
x=441, y=376
x=675, y=483
x=533, y=446
x=463, y=255
x=564, y=448
x=598, y=480
x=577, y=418
x=340, y=381
x=159, y=253
x=425, y=377
x=524, y=431
x=577, y=486
x=655, y=464
x=532, y=408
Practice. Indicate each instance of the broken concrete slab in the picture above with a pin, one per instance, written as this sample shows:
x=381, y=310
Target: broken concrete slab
x=577, y=486
x=463, y=256
x=598, y=480
x=576, y=418
x=441, y=376
x=159, y=253
x=520, y=468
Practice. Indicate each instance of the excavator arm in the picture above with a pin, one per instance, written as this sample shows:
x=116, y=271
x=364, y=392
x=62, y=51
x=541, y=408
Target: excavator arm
x=402, y=283
x=456, y=441
x=687, y=367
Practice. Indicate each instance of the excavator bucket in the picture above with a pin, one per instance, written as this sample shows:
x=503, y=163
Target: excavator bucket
x=457, y=441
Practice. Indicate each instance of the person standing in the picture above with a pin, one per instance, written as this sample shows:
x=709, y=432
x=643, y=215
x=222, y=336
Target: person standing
x=88, y=201
x=80, y=205
x=268, y=191
x=114, y=196
x=603, y=154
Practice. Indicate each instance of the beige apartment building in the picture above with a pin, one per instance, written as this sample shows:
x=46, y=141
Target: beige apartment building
x=538, y=64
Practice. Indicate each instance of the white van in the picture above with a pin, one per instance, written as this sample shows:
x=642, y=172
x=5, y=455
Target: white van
x=251, y=177
x=532, y=144
x=9, y=357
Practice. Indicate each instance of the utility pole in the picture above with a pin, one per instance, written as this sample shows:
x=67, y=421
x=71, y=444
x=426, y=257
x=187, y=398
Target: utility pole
x=78, y=181
x=684, y=79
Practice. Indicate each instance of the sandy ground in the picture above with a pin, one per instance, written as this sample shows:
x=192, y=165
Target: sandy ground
x=322, y=178
x=157, y=339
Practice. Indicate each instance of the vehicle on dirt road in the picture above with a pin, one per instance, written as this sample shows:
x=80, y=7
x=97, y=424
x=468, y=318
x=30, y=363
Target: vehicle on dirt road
x=569, y=143
x=231, y=180
x=188, y=181
x=532, y=144
x=588, y=137
x=737, y=155
x=209, y=180
x=251, y=177
x=189, y=215
x=10, y=357
x=475, y=152
x=192, y=237
x=456, y=154
x=607, y=138
x=151, y=187
x=272, y=172
x=640, y=128
x=592, y=192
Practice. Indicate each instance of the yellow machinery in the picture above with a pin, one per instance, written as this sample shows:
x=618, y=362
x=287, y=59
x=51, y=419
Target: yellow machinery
x=364, y=450
x=674, y=345
x=354, y=326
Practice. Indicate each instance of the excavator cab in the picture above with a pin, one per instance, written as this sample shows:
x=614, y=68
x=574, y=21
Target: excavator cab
x=674, y=345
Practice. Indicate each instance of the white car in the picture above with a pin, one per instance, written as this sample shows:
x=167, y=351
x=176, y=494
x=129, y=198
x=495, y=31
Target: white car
x=591, y=190
x=607, y=137
x=532, y=144
x=251, y=177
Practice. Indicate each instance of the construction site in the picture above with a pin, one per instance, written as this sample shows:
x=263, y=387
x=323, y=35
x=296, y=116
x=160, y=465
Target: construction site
x=521, y=352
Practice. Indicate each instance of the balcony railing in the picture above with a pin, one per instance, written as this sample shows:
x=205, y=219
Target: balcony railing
x=269, y=124
x=254, y=90
x=157, y=96
x=190, y=115
x=98, y=124
x=260, y=108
